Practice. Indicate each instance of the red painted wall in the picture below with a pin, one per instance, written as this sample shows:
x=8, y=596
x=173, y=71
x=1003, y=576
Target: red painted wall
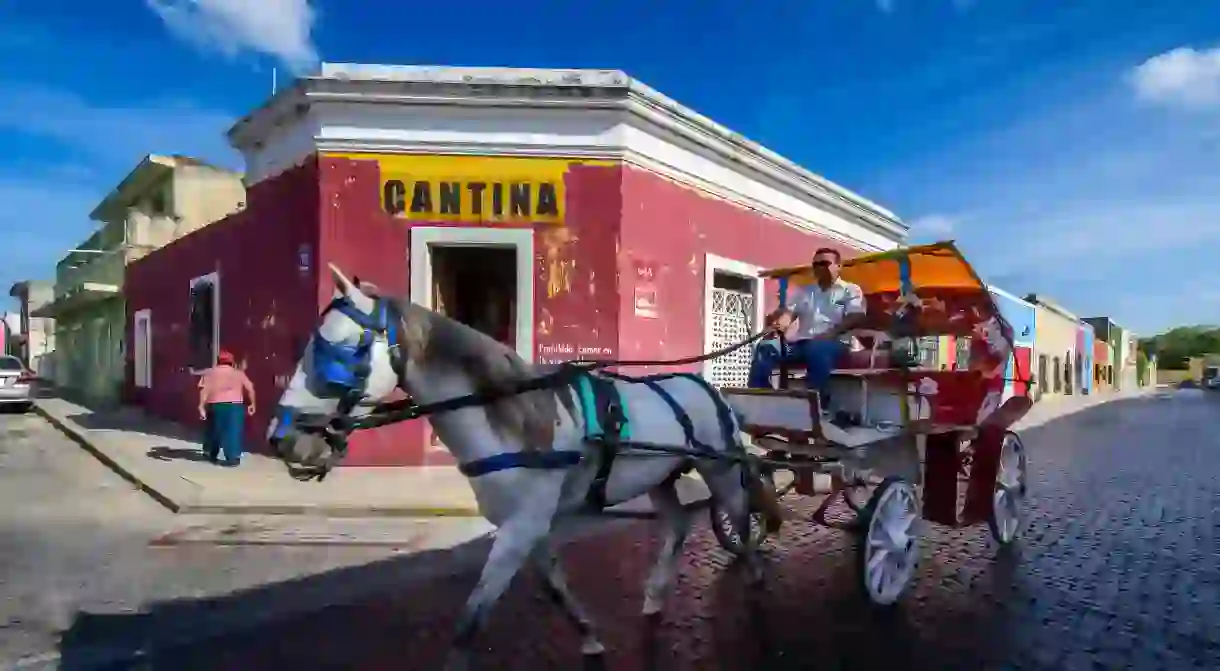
x=668, y=228
x=579, y=307
x=267, y=303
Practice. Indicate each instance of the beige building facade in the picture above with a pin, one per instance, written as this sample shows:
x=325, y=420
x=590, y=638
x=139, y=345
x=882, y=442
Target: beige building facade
x=1055, y=348
x=37, y=334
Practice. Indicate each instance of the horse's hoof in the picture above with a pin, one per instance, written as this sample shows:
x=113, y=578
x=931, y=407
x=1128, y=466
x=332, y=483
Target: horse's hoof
x=592, y=649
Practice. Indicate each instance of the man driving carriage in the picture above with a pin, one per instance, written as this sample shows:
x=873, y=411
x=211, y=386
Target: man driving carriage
x=825, y=313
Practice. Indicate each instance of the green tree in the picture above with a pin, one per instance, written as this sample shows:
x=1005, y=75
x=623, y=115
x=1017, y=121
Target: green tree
x=1174, y=347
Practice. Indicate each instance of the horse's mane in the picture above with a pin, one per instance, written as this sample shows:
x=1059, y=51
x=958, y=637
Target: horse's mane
x=430, y=338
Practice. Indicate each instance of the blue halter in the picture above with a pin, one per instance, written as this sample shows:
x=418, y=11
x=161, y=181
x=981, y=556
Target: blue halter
x=346, y=368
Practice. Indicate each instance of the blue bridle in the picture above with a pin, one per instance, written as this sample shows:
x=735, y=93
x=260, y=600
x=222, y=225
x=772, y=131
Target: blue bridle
x=344, y=369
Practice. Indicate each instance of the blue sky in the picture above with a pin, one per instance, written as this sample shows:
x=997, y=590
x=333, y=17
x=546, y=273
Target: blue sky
x=1071, y=146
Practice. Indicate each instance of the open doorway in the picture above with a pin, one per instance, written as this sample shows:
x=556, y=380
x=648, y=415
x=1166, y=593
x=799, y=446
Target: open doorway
x=477, y=286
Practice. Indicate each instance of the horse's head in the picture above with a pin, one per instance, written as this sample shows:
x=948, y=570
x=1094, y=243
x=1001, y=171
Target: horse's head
x=352, y=361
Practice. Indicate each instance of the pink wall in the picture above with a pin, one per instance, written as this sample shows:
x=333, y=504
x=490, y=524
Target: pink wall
x=667, y=229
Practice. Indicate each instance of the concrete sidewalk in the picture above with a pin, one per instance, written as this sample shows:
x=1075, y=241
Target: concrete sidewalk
x=166, y=461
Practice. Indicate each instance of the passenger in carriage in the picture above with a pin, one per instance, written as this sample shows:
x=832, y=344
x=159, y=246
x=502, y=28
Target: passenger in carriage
x=825, y=313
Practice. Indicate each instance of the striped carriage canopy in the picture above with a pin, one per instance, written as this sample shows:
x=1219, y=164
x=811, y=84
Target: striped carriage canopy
x=936, y=266
x=935, y=271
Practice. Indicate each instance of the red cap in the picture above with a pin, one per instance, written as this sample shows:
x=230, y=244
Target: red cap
x=225, y=358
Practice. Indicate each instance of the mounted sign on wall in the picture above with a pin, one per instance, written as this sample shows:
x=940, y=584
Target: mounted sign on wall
x=646, y=290
x=472, y=189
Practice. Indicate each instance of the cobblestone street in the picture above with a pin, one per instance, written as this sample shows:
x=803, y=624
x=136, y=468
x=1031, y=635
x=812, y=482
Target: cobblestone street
x=1119, y=568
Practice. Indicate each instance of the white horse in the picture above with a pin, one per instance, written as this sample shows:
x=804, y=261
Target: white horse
x=529, y=456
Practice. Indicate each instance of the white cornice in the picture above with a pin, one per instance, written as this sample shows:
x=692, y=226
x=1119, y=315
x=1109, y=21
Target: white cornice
x=626, y=107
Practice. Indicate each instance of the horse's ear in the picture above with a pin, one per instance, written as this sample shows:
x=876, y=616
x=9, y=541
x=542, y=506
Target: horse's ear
x=342, y=284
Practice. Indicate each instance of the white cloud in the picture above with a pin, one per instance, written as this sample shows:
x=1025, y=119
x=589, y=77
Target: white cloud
x=1183, y=77
x=281, y=29
x=934, y=226
x=1092, y=199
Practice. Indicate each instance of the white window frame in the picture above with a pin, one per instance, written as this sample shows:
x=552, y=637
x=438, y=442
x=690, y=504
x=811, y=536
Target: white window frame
x=214, y=277
x=711, y=265
x=141, y=348
x=521, y=240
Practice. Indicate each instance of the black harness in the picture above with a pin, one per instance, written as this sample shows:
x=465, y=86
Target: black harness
x=344, y=371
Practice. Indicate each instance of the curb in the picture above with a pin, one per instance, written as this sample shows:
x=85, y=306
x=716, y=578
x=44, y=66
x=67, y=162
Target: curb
x=309, y=510
x=77, y=437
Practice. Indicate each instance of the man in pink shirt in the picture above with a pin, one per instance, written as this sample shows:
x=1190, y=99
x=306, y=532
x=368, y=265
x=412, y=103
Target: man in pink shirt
x=222, y=393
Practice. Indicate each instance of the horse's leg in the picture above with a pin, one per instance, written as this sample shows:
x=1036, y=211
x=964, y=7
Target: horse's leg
x=729, y=491
x=546, y=559
x=514, y=541
x=676, y=524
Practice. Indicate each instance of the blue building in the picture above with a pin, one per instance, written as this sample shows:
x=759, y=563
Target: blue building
x=1022, y=317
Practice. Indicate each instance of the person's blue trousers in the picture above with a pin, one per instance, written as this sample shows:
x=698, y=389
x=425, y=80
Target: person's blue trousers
x=226, y=426
x=818, y=357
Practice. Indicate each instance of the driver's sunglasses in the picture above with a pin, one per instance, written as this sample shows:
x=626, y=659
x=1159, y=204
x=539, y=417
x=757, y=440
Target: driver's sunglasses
x=821, y=264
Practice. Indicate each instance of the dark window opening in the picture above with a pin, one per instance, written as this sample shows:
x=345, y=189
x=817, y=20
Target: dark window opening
x=203, y=325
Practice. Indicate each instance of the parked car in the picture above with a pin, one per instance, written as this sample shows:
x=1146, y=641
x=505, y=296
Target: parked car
x=1211, y=378
x=16, y=384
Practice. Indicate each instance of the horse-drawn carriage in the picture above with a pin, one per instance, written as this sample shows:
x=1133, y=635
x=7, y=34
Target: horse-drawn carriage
x=540, y=444
x=894, y=427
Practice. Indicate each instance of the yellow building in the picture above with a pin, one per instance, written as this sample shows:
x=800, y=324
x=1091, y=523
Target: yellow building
x=1055, y=345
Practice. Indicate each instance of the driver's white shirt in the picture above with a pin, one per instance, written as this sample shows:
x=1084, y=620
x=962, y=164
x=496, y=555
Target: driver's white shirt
x=817, y=310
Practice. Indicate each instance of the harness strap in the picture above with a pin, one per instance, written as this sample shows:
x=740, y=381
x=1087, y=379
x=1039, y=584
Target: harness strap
x=609, y=414
x=549, y=460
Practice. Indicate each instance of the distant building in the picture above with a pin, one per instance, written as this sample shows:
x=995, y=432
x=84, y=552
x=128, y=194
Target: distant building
x=161, y=200
x=1056, y=344
x=35, y=335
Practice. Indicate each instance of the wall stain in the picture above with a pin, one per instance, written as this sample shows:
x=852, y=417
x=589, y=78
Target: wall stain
x=556, y=242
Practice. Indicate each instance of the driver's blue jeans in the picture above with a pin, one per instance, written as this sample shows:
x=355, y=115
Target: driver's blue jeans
x=818, y=357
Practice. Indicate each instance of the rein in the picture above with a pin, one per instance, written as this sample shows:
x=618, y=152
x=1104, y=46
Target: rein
x=405, y=410
x=335, y=429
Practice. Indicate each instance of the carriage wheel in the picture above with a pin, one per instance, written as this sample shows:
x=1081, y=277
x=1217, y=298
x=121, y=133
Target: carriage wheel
x=889, y=548
x=726, y=533
x=1007, y=517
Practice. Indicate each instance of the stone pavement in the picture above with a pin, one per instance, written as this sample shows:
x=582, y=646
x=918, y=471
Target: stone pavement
x=1117, y=569
x=166, y=461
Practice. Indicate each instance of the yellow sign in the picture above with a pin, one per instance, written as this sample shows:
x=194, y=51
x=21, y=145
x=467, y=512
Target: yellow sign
x=473, y=189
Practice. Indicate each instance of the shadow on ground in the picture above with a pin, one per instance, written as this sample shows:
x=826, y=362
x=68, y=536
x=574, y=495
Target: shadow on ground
x=135, y=421
x=969, y=608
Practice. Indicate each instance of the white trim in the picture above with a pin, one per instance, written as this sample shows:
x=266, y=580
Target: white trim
x=214, y=277
x=520, y=239
x=141, y=348
x=711, y=265
x=576, y=113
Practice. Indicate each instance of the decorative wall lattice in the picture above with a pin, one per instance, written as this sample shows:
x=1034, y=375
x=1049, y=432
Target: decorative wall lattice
x=732, y=321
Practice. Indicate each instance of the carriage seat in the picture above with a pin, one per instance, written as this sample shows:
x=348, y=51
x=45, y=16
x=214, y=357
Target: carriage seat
x=873, y=356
